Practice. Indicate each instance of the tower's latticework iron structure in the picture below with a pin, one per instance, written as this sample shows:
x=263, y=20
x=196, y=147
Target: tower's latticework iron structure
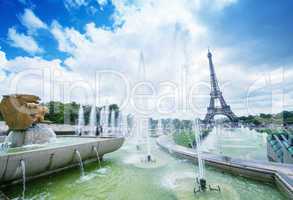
x=216, y=94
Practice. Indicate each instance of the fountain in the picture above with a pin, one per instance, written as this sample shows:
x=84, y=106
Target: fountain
x=138, y=132
x=172, y=180
x=33, y=140
x=80, y=162
x=197, y=133
x=120, y=124
x=112, y=122
x=93, y=121
x=80, y=125
x=104, y=119
x=146, y=131
x=200, y=179
x=218, y=134
x=159, y=128
x=149, y=157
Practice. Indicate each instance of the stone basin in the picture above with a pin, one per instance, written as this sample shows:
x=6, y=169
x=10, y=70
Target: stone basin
x=41, y=160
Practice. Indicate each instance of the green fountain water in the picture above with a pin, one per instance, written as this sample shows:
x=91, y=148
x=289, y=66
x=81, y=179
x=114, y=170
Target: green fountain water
x=238, y=143
x=123, y=175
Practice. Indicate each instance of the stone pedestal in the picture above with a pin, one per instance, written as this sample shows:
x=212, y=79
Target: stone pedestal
x=38, y=134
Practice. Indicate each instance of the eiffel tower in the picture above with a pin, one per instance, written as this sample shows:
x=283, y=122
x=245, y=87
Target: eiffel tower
x=216, y=94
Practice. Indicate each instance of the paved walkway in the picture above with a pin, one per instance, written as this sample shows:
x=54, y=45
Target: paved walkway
x=284, y=172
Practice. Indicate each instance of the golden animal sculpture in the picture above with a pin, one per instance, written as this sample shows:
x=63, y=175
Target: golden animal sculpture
x=20, y=111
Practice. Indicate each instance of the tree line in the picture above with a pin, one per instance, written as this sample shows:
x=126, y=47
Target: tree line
x=67, y=113
x=283, y=118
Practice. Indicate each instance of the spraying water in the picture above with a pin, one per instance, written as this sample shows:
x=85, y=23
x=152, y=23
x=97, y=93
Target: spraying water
x=105, y=118
x=120, y=123
x=137, y=131
x=197, y=133
x=112, y=121
x=22, y=166
x=200, y=179
x=80, y=162
x=146, y=130
x=218, y=133
x=93, y=120
x=160, y=127
x=80, y=125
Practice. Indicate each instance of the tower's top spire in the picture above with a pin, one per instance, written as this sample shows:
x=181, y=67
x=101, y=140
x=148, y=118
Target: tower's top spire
x=209, y=53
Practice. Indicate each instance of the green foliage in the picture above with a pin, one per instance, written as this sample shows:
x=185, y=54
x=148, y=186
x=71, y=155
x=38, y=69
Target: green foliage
x=56, y=112
x=283, y=118
x=183, y=124
x=184, y=138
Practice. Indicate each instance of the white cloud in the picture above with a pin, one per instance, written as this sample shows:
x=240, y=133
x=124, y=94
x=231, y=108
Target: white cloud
x=167, y=32
x=68, y=38
x=20, y=40
x=31, y=21
x=3, y=62
x=2, y=75
x=45, y=78
x=170, y=36
x=3, y=59
x=214, y=5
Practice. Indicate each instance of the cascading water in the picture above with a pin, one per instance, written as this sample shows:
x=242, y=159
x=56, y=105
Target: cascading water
x=80, y=125
x=98, y=156
x=80, y=162
x=22, y=166
x=93, y=120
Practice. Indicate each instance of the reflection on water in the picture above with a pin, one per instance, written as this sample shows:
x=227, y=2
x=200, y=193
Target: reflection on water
x=239, y=143
x=118, y=179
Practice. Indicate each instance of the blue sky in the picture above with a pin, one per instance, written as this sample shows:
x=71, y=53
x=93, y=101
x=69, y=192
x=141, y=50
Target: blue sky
x=267, y=23
x=48, y=11
x=251, y=40
x=261, y=26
